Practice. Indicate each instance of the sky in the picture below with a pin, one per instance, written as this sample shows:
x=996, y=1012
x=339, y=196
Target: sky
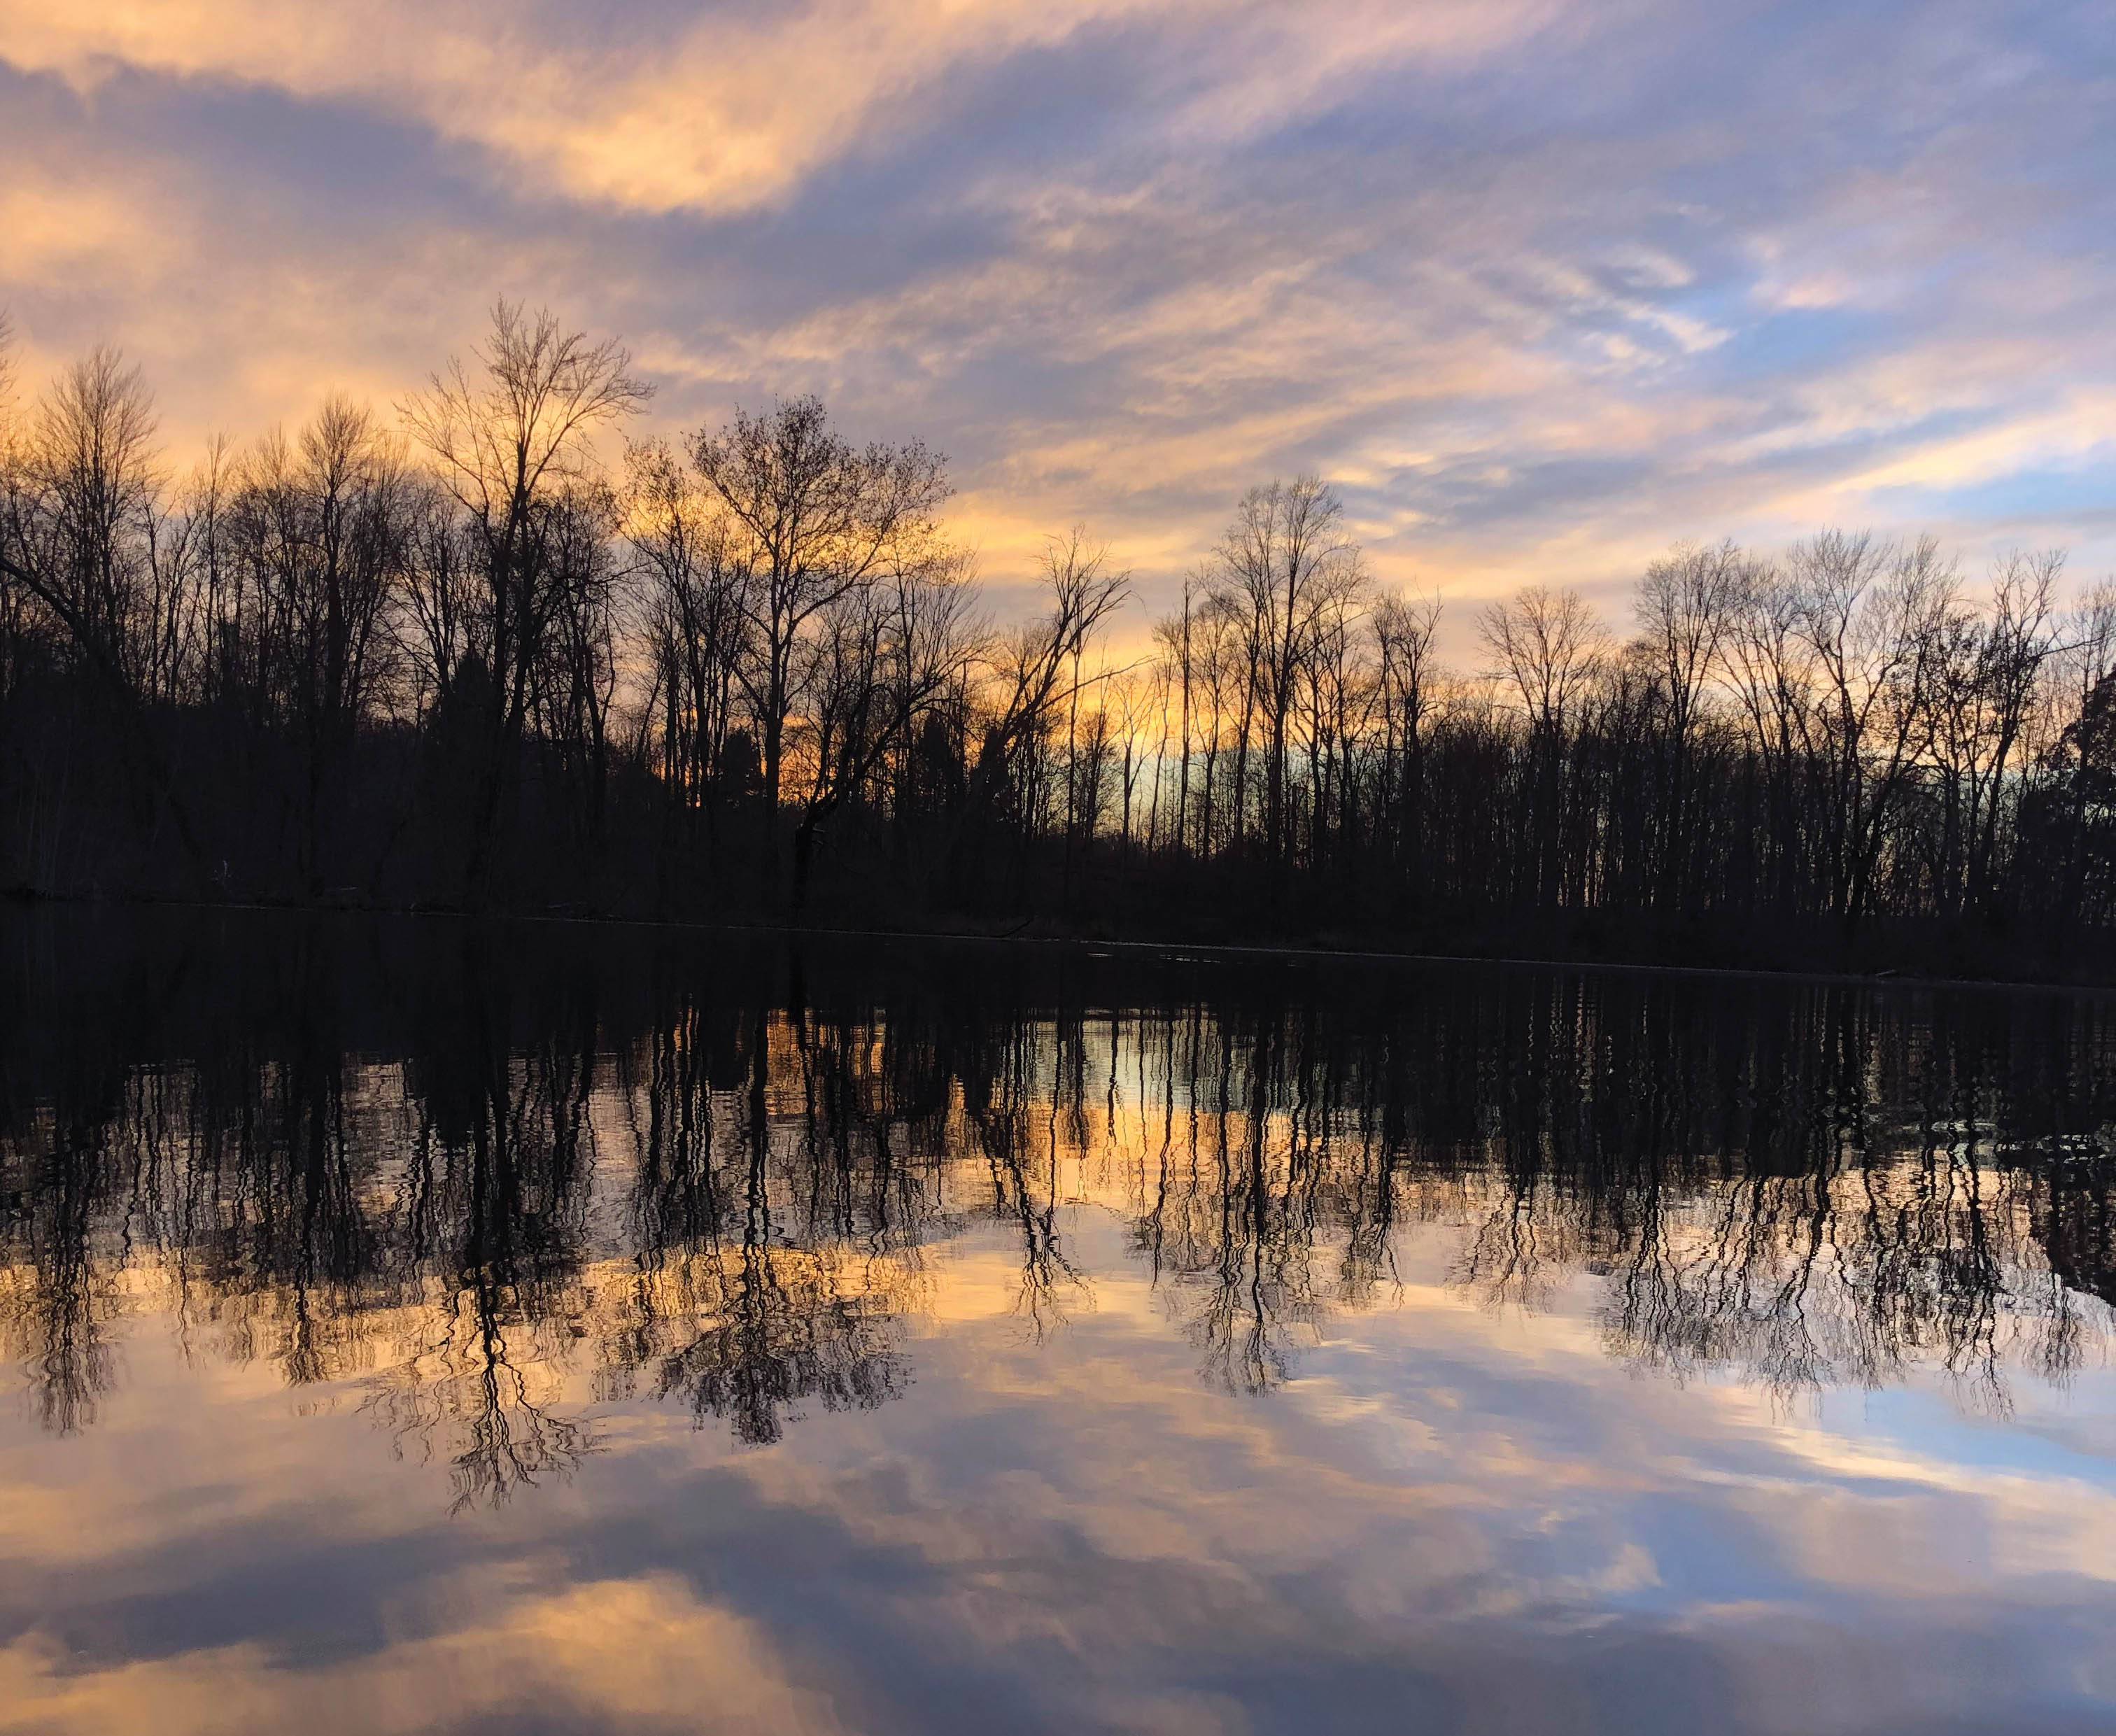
x=1542, y=287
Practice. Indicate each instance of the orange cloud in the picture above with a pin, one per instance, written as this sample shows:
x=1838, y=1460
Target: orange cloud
x=710, y=115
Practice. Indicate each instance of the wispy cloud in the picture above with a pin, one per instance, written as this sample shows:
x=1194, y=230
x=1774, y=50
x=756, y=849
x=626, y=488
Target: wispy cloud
x=1545, y=286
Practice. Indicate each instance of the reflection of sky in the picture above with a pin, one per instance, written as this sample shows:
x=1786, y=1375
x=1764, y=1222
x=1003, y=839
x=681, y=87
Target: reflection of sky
x=1450, y=1518
x=1545, y=285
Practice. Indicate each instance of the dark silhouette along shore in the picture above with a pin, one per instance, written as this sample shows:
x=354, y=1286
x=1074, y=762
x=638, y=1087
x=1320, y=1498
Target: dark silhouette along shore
x=481, y=651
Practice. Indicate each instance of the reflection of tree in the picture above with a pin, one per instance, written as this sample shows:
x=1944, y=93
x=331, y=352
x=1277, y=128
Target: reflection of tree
x=461, y=1383
x=1235, y=1224
x=1816, y=1203
x=784, y=1334
x=722, y=1199
x=780, y=1330
x=772, y=1280
x=57, y=1298
x=495, y=1196
x=999, y=1096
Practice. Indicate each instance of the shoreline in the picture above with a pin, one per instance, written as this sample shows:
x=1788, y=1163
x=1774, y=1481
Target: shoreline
x=1173, y=949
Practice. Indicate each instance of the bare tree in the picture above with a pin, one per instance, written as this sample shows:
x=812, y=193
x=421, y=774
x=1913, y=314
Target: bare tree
x=823, y=518
x=308, y=553
x=693, y=564
x=882, y=654
x=510, y=437
x=1989, y=667
x=88, y=547
x=1686, y=607
x=1549, y=645
x=1034, y=673
x=1179, y=663
x=1403, y=630
x=1871, y=612
x=83, y=501
x=1280, y=566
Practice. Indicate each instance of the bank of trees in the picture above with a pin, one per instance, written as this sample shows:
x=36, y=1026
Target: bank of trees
x=484, y=650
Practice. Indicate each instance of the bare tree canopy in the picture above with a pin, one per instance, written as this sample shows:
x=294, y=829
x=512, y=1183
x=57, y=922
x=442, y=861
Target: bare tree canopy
x=821, y=518
x=458, y=658
x=510, y=438
x=1549, y=645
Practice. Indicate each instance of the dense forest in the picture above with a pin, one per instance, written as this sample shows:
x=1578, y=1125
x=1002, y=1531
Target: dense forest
x=483, y=651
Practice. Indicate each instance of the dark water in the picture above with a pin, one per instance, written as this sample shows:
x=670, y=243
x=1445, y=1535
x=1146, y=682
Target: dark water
x=423, y=1328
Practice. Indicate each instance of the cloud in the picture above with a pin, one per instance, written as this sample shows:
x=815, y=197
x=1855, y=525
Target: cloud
x=1544, y=286
x=726, y=108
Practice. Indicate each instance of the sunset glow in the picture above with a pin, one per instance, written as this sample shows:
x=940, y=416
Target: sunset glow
x=1541, y=287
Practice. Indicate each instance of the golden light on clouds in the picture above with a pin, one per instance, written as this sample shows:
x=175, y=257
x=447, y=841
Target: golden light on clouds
x=1544, y=286
x=715, y=113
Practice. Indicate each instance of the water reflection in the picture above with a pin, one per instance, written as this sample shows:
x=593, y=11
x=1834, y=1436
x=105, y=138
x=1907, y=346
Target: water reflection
x=467, y=1169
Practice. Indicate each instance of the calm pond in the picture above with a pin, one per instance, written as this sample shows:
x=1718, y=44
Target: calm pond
x=423, y=1326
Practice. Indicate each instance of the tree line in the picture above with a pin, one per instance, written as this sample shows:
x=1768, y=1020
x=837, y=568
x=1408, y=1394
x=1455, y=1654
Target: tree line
x=461, y=656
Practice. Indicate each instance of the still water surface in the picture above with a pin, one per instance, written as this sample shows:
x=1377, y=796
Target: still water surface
x=418, y=1327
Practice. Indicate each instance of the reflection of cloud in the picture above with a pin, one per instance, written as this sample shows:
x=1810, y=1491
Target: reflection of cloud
x=628, y=1649
x=1074, y=1533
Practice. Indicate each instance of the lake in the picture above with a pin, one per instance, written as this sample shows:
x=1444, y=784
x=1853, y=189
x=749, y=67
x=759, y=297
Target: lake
x=421, y=1325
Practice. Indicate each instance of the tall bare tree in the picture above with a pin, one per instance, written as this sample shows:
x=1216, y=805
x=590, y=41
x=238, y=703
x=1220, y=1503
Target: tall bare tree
x=1550, y=648
x=1686, y=607
x=89, y=548
x=822, y=519
x=1403, y=630
x=1871, y=612
x=1281, y=564
x=511, y=438
x=311, y=548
